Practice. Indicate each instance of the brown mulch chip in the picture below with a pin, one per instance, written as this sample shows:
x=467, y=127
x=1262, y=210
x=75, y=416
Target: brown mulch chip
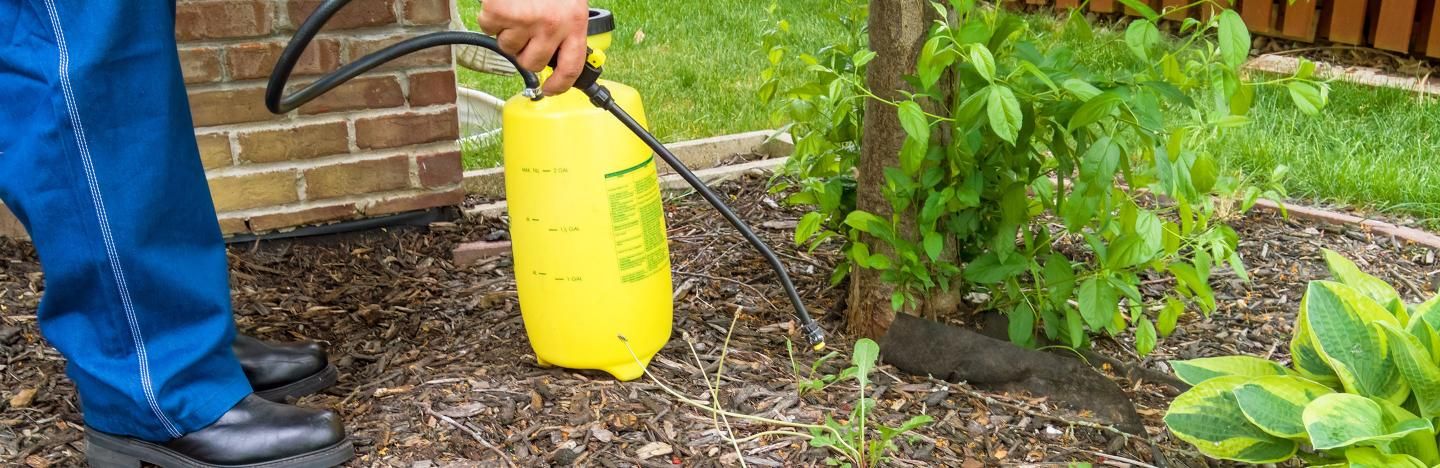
x=436, y=370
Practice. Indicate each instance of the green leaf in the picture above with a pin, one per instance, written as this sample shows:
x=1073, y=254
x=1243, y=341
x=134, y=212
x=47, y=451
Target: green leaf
x=1004, y=112
x=1208, y=417
x=867, y=352
x=1371, y=457
x=1078, y=27
x=969, y=110
x=1415, y=365
x=1241, y=100
x=1204, y=173
x=1144, y=10
x=989, y=269
x=1093, y=110
x=1275, y=403
x=1339, y=420
x=1195, y=371
x=1345, y=271
x=1074, y=328
x=1418, y=434
x=983, y=61
x=1170, y=315
x=1189, y=277
x=807, y=226
x=1306, y=359
x=934, y=243
x=1022, y=325
x=1127, y=251
x=1234, y=39
x=913, y=120
x=868, y=223
x=1081, y=89
x=1141, y=36
x=1098, y=302
x=1307, y=97
x=1144, y=337
x=1339, y=319
x=1059, y=278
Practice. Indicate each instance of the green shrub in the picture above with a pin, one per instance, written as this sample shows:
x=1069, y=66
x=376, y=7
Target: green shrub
x=1007, y=135
x=1363, y=386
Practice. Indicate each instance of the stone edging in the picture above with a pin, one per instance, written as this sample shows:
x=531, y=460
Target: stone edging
x=1400, y=233
x=1286, y=65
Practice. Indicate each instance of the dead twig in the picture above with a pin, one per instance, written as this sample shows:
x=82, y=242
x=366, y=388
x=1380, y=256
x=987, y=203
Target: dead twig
x=473, y=434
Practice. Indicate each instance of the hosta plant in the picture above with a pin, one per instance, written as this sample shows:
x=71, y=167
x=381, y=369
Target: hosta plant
x=1362, y=388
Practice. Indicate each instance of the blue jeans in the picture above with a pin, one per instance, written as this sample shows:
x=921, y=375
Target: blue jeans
x=98, y=160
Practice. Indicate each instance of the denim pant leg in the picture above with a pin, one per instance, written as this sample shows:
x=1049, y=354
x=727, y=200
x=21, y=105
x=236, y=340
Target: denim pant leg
x=98, y=160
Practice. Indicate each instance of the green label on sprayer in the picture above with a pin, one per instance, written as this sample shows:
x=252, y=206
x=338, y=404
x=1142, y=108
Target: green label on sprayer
x=637, y=220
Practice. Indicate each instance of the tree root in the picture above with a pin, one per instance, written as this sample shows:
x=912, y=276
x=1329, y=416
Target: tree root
x=923, y=347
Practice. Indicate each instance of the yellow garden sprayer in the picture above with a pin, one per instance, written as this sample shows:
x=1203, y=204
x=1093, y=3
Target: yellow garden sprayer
x=591, y=255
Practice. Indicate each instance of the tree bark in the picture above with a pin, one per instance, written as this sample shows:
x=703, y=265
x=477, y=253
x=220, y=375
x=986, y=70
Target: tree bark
x=897, y=33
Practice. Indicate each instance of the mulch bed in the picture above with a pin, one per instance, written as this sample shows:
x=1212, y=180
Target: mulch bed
x=436, y=370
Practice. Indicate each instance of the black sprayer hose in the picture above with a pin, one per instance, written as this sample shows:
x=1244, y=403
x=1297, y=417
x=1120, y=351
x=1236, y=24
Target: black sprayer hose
x=599, y=96
x=291, y=55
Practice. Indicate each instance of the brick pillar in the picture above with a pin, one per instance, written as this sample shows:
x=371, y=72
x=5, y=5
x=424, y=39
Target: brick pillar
x=384, y=143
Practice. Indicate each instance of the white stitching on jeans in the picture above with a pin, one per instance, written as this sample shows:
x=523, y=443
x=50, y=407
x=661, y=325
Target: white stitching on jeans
x=116, y=269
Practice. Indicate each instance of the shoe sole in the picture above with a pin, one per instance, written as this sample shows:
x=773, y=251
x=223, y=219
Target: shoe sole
x=107, y=451
x=306, y=386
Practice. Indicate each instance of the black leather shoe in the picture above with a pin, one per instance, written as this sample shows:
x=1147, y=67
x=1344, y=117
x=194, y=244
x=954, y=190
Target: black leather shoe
x=279, y=372
x=255, y=433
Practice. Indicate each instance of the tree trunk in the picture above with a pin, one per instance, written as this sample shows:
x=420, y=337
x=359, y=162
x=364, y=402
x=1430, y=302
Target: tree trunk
x=897, y=33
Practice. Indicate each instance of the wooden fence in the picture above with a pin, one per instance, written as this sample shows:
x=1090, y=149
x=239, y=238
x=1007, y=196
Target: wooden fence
x=1405, y=26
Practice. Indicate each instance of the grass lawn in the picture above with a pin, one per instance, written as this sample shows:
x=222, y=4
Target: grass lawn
x=698, y=67
x=1372, y=148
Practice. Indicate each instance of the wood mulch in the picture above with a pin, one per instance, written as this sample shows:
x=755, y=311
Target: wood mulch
x=436, y=370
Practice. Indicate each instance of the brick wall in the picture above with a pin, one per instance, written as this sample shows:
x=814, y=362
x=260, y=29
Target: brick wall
x=381, y=144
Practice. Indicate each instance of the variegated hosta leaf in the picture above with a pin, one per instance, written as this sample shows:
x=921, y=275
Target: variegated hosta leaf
x=1428, y=337
x=1199, y=370
x=1370, y=457
x=1415, y=365
x=1428, y=311
x=1419, y=440
x=1274, y=403
x=1307, y=360
x=1339, y=318
x=1341, y=420
x=1345, y=271
x=1208, y=417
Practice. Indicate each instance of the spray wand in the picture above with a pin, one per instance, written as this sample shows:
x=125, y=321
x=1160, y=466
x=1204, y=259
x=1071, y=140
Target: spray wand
x=587, y=82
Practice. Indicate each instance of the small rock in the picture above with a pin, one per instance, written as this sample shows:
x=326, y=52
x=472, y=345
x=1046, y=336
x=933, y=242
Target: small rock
x=36, y=461
x=9, y=335
x=653, y=449
x=497, y=235
x=565, y=456
x=779, y=225
x=23, y=399
x=423, y=464
x=464, y=411
x=601, y=433
x=473, y=252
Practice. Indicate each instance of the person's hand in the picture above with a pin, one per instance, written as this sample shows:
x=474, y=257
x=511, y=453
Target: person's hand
x=534, y=31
